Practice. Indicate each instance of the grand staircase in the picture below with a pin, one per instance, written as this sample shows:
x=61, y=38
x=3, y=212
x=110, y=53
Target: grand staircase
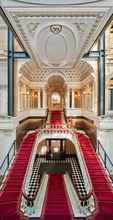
x=56, y=205
x=102, y=187
x=12, y=189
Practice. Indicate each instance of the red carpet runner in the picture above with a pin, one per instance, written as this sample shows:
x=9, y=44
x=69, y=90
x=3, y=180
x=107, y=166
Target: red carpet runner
x=101, y=185
x=56, y=205
x=56, y=118
x=10, y=194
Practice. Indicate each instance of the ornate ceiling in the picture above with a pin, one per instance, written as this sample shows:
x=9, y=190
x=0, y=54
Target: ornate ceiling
x=82, y=70
x=50, y=49
x=57, y=36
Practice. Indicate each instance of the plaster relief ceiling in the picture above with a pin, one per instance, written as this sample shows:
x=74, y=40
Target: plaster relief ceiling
x=50, y=49
x=52, y=45
x=56, y=38
x=30, y=71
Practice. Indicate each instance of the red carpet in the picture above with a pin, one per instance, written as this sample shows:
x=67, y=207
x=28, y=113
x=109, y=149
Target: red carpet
x=101, y=185
x=56, y=118
x=10, y=193
x=56, y=205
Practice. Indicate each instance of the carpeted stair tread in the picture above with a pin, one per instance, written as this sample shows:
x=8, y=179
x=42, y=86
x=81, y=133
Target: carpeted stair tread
x=101, y=184
x=13, y=184
x=55, y=118
x=56, y=204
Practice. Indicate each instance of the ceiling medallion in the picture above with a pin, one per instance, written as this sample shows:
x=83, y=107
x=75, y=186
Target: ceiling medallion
x=55, y=28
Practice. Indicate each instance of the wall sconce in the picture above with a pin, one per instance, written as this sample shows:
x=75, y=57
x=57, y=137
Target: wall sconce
x=84, y=93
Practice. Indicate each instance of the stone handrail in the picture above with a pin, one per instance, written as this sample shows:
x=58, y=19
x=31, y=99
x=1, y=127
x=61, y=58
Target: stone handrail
x=35, y=210
x=71, y=135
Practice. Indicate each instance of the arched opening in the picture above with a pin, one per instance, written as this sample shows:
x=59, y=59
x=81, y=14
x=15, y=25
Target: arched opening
x=56, y=148
x=56, y=100
x=56, y=93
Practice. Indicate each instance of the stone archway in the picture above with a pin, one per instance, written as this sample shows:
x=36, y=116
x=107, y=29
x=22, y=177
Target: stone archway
x=56, y=89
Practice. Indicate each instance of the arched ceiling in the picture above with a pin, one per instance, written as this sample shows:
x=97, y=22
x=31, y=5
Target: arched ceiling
x=56, y=84
x=57, y=79
x=29, y=70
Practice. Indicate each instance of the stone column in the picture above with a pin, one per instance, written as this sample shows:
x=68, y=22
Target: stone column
x=19, y=97
x=10, y=73
x=73, y=98
x=25, y=99
x=28, y=97
x=44, y=98
x=101, y=76
x=68, y=98
x=39, y=101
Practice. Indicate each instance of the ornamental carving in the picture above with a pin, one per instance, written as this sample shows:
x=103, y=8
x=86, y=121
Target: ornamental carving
x=55, y=28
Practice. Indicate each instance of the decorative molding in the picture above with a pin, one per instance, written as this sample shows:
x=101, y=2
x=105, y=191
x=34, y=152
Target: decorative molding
x=75, y=75
x=86, y=21
x=55, y=28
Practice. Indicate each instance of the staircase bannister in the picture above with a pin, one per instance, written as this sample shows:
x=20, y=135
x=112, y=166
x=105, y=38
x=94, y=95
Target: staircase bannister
x=77, y=206
x=8, y=159
x=29, y=172
x=84, y=171
x=40, y=196
x=35, y=206
x=30, y=200
x=108, y=164
x=73, y=195
x=83, y=199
